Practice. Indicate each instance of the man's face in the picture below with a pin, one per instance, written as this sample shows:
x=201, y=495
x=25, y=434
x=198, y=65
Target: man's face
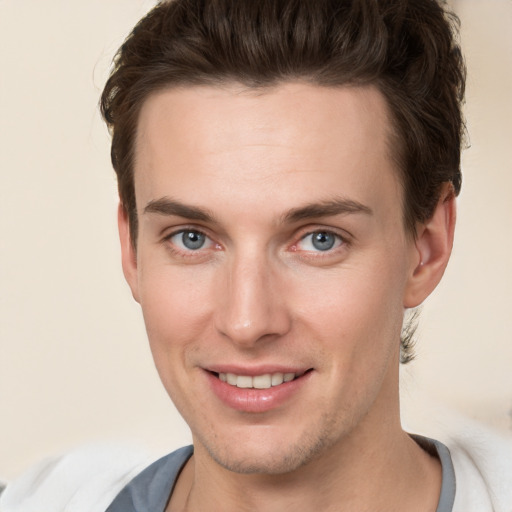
x=271, y=247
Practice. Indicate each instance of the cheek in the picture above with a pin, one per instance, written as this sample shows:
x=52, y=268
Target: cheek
x=356, y=311
x=176, y=305
x=176, y=314
x=356, y=325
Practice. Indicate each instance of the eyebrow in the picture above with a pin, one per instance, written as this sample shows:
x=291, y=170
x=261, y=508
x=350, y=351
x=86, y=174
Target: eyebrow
x=329, y=208
x=167, y=206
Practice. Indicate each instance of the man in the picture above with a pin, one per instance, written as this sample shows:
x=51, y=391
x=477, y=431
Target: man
x=287, y=174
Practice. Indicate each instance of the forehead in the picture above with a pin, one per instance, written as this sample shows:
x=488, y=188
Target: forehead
x=304, y=139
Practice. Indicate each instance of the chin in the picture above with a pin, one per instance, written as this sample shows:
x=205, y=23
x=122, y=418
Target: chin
x=263, y=455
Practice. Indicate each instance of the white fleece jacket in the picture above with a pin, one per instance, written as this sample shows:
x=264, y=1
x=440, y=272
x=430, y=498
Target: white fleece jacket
x=88, y=479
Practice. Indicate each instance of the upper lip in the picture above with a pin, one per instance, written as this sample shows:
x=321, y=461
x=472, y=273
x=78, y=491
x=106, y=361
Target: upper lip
x=253, y=371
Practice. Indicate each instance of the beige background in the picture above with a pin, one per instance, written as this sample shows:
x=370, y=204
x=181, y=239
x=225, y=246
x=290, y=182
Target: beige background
x=74, y=362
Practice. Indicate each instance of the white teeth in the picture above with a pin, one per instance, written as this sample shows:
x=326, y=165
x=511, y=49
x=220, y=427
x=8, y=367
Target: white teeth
x=277, y=378
x=262, y=381
x=258, y=382
x=244, y=381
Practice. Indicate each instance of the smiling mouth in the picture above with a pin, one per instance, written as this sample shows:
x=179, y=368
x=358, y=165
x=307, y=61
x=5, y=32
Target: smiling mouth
x=265, y=381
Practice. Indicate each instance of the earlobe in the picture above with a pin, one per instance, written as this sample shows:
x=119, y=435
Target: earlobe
x=128, y=254
x=433, y=246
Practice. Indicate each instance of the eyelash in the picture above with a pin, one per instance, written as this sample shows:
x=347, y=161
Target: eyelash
x=187, y=252
x=340, y=242
x=337, y=241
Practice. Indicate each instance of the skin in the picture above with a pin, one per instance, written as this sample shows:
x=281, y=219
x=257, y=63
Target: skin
x=259, y=293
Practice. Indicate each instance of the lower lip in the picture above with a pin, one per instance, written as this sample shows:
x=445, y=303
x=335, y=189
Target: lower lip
x=256, y=400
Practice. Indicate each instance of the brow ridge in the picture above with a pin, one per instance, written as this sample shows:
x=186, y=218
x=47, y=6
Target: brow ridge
x=328, y=208
x=168, y=206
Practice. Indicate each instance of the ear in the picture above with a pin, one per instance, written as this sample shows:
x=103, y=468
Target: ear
x=128, y=254
x=433, y=246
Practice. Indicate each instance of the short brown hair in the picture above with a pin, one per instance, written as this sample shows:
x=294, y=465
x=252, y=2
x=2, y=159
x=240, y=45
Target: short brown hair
x=406, y=48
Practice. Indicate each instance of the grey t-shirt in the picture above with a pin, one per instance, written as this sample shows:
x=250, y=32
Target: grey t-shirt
x=150, y=490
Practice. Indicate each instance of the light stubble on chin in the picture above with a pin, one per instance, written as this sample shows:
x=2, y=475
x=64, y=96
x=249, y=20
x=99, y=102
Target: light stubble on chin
x=290, y=458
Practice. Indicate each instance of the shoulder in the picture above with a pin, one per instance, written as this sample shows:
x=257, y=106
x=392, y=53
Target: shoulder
x=481, y=456
x=482, y=460
x=150, y=489
x=84, y=480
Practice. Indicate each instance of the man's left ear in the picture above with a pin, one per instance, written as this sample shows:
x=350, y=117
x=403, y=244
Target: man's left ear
x=433, y=244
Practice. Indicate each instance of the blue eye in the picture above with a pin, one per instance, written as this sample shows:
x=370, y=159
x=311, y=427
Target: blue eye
x=190, y=240
x=193, y=240
x=320, y=241
x=323, y=241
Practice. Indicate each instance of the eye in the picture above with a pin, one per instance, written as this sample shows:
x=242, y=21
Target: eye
x=320, y=241
x=190, y=240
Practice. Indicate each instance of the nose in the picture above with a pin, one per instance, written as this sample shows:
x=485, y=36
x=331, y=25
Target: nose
x=252, y=305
